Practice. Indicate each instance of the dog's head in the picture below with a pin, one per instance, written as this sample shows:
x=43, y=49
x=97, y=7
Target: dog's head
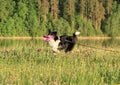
x=51, y=36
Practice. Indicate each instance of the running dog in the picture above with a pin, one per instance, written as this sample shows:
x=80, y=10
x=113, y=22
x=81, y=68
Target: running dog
x=63, y=42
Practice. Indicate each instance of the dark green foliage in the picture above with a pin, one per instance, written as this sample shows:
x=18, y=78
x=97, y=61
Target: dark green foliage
x=62, y=26
x=112, y=25
x=34, y=17
x=84, y=26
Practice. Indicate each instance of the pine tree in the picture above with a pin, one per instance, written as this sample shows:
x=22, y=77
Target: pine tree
x=39, y=9
x=44, y=9
x=95, y=13
x=82, y=7
x=69, y=11
x=112, y=28
x=54, y=8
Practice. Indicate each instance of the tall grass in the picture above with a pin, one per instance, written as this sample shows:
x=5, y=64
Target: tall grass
x=33, y=63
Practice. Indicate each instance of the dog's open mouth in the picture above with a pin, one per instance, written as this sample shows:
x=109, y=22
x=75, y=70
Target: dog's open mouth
x=48, y=38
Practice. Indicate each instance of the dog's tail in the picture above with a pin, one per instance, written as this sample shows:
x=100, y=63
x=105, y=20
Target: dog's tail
x=76, y=33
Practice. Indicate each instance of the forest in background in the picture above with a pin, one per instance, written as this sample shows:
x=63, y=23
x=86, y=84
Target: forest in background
x=35, y=17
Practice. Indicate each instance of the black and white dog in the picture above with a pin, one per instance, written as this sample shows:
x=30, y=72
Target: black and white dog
x=63, y=42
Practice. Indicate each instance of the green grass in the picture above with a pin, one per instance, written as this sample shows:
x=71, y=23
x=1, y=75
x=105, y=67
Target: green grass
x=35, y=64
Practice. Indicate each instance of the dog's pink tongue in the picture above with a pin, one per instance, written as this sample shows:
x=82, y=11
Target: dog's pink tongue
x=47, y=38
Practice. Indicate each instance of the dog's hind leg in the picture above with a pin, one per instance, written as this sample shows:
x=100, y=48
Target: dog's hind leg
x=69, y=48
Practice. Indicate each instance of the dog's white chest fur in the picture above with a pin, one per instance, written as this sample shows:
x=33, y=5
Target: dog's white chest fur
x=54, y=45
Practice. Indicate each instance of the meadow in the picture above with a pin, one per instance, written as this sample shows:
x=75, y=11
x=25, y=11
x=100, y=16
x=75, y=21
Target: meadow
x=31, y=62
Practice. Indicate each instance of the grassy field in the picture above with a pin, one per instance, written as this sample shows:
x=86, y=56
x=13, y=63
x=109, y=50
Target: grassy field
x=33, y=63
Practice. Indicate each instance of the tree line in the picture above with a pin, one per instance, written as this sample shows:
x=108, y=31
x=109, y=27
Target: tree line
x=35, y=17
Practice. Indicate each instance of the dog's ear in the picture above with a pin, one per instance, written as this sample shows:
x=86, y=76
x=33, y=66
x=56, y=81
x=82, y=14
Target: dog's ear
x=55, y=33
x=49, y=31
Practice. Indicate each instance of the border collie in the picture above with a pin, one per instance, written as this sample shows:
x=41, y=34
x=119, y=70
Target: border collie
x=63, y=42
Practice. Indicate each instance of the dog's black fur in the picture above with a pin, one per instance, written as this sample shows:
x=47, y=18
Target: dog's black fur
x=66, y=43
